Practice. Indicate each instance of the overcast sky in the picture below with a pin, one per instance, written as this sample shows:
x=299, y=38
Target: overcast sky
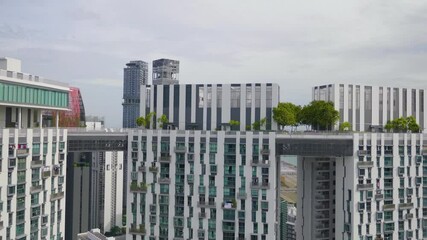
x=297, y=44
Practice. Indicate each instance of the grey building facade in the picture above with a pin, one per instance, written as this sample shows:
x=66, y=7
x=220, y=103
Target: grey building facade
x=211, y=106
x=135, y=75
x=165, y=71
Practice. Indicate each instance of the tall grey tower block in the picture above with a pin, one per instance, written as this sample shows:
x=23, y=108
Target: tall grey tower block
x=135, y=75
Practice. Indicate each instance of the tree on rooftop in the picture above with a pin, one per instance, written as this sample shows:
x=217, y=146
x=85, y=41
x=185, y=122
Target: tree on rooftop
x=345, y=126
x=286, y=114
x=162, y=120
x=145, y=121
x=320, y=115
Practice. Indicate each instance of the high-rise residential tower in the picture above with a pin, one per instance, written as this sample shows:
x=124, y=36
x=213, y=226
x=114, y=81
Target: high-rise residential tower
x=135, y=75
x=366, y=107
x=165, y=71
x=212, y=106
x=32, y=171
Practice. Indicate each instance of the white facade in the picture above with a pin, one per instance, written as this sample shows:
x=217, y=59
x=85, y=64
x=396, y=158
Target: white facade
x=209, y=106
x=10, y=64
x=107, y=189
x=32, y=183
x=365, y=106
x=94, y=123
x=195, y=184
x=378, y=193
x=32, y=158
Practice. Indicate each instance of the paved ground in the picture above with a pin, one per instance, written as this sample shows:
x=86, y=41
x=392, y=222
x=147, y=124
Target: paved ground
x=289, y=182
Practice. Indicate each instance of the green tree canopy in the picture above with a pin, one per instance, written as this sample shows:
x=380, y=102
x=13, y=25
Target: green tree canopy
x=162, y=120
x=345, y=126
x=403, y=124
x=286, y=114
x=145, y=121
x=257, y=125
x=320, y=115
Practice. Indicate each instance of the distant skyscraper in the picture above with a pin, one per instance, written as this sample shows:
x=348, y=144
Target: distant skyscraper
x=135, y=75
x=165, y=71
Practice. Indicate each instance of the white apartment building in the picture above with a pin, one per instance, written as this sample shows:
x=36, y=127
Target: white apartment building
x=366, y=106
x=202, y=185
x=378, y=193
x=107, y=189
x=210, y=106
x=95, y=123
x=32, y=171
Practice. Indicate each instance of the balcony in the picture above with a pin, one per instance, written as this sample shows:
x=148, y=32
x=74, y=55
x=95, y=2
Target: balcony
x=404, y=206
x=36, y=164
x=21, y=152
x=323, y=186
x=46, y=173
x=137, y=229
x=242, y=195
x=164, y=180
x=368, y=186
x=165, y=158
x=322, y=206
x=388, y=207
x=260, y=163
x=323, y=234
x=322, y=225
x=142, y=187
x=323, y=177
x=206, y=204
x=153, y=169
x=409, y=215
x=265, y=185
x=142, y=168
x=365, y=164
x=265, y=151
x=56, y=196
x=322, y=196
x=379, y=196
x=180, y=149
x=202, y=214
x=190, y=178
x=362, y=153
x=36, y=189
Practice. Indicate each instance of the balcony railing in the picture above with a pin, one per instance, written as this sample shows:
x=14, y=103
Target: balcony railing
x=406, y=205
x=265, y=151
x=379, y=196
x=46, y=173
x=153, y=169
x=56, y=196
x=242, y=195
x=142, y=168
x=206, y=204
x=165, y=158
x=35, y=189
x=362, y=153
x=142, y=187
x=22, y=151
x=164, y=180
x=388, y=206
x=261, y=163
x=368, y=186
x=365, y=164
x=36, y=164
x=137, y=229
x=180, y=149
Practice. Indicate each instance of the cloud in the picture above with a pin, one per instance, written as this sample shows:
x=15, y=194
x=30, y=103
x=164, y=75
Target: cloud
x=101, y=82
x=295, y=43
